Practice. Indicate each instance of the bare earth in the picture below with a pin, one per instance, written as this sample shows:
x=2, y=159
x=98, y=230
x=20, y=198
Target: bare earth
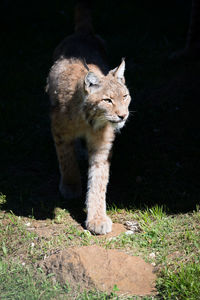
x=95, y=267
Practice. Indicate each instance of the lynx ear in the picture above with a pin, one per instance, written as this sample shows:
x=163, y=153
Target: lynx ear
x=119, y=72
x=91, y=82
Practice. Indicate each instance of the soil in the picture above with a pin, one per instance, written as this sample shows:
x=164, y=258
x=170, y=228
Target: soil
x=117, y=229
x=95, y=267
x=42, y=229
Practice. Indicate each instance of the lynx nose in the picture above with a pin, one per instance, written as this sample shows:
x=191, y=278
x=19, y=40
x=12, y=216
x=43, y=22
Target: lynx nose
x=122, y=117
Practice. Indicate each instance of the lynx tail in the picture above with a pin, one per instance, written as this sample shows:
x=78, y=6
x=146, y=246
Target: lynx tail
x=83, y=20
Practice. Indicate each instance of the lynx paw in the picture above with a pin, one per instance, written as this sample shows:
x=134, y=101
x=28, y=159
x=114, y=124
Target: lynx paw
x=101, y=225
x=70, y=191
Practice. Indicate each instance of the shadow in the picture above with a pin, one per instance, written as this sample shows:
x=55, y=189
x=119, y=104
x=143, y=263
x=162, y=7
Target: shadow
x=156, y=158
x=39, y=199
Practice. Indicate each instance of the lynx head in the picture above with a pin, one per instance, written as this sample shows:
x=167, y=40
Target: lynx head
x=106, y=98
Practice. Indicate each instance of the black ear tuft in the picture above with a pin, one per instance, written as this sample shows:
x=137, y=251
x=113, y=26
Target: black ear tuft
x=119, y=71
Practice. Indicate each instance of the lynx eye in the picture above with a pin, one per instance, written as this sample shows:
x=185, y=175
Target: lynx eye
x=108, y=100
x=125, y=97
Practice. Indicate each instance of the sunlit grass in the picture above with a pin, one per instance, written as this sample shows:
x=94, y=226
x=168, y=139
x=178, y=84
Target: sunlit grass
x=183, y=284
x=18, y=281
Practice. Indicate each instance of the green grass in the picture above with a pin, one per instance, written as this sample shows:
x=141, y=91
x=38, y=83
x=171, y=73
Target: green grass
x=22, y=282
x=182, y=284
x=163, y=235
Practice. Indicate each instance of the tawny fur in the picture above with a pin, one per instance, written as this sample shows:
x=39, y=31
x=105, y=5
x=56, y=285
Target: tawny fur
x=89, y=104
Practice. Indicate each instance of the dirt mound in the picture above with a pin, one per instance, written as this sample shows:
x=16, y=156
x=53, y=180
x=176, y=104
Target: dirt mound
x=95, y=267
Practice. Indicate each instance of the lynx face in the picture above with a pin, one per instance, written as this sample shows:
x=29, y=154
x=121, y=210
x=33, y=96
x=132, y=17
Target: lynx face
x=107, y=99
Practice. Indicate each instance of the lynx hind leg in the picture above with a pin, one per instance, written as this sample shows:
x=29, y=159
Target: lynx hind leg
x=70, y=182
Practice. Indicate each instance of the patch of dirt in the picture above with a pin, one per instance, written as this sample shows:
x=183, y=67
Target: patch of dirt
x=117, y=229
x=95, y=267
x=45, y=230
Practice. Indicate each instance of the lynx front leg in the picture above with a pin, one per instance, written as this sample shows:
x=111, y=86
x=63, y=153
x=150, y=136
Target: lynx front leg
x=70, y=182
x=97, y=220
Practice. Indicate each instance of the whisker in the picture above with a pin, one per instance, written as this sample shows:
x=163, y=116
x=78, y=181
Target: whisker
x=131, y=113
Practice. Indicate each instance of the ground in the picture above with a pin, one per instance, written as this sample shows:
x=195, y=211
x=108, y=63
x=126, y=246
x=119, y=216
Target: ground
x=155, y=167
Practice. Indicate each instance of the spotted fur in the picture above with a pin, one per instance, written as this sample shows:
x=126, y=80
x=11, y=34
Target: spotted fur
x=91, y=102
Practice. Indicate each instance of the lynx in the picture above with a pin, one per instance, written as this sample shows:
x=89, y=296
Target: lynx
x=91, y=102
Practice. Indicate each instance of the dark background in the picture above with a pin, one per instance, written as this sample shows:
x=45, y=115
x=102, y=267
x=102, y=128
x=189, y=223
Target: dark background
x=156, y=156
